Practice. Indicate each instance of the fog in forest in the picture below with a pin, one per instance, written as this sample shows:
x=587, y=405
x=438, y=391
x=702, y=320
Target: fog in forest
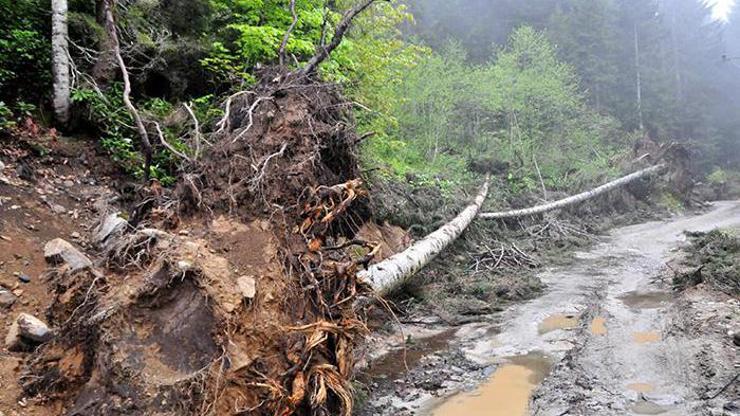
x=688, y=58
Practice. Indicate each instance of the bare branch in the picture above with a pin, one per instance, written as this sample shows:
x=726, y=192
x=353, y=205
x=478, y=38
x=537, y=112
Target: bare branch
x=281, y=52
x=224, y=123
x=169, y=146
x=196, y=127
x=323, y=52
x=251, y=117
x=146, y=145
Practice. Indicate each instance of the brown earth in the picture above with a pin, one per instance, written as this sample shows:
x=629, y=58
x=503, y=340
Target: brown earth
x=234, y=294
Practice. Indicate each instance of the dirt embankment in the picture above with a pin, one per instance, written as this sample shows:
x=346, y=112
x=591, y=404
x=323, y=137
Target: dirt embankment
x=233, y=294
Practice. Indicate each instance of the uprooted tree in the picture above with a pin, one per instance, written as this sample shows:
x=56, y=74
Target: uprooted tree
x=235, y=292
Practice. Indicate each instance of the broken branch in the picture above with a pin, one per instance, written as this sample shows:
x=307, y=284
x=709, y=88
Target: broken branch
x=323, y=52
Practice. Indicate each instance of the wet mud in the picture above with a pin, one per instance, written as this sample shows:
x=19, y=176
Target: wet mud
x=617, y=342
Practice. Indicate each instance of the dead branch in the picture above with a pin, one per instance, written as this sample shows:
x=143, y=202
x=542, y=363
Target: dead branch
x=146, y=145
x=323, y=52
x=196, y=132
x=281, y=52
x=575, y=199
x=251, y=117
x=169, y=146
x=224, y=123
x=255, y=182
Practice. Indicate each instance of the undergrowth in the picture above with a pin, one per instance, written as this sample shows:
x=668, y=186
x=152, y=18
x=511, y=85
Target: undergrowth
x=714, y=260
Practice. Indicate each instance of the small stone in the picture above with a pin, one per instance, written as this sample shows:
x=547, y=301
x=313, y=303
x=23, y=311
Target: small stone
x=247, y=286
x=69, y=183
x=736, y=339
x=26, y=330
x=111, y=225
x=60, y=251
x=58, y=209
x=184, y=232
x=75, y=235
x=24, y=278
x=33, y=328
x=7, y=298
x=2, y=165
x=31, y=227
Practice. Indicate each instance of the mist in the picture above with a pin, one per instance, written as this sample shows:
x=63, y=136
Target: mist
x=688, y=53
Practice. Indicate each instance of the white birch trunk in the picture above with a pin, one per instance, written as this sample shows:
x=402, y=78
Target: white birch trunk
x=60, y=60
x=575, y=198
x=391, y=273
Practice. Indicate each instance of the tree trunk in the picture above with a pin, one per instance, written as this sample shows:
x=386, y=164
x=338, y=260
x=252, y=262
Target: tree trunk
x=60, y=61
x=146, y=145
x=387, y=275
x=104, y=69
x=638, y=79
x=323, y=51
x=540, y=209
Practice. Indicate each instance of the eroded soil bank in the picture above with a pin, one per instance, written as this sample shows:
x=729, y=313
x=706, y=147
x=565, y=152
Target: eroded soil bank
x=607, y=337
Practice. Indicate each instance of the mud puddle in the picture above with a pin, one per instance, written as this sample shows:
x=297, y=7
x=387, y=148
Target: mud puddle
x=559, y=321
x=646, y=300
x=398, y=361
x=646, y=337
x=506, y=393
x=641, y=387
x=598, y=326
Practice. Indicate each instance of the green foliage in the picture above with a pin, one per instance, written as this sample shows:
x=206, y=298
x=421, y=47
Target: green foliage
x=715, y=260
x=108, y=113
x=718, y=176
x=6, y=117
x=24, y=50
x=523, y=110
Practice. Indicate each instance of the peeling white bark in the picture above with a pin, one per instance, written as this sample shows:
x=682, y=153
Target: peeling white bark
x=575, y=198
x=387, y=275
x=60, y=60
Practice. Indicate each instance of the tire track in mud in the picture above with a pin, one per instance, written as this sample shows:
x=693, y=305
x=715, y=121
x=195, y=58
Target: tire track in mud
x=604, y=325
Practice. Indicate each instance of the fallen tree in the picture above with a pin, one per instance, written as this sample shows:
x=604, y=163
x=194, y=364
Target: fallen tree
x=575, y=199
x=391, y=273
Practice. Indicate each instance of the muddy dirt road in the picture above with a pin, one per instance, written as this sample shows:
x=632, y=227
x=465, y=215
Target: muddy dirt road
x=607, y=338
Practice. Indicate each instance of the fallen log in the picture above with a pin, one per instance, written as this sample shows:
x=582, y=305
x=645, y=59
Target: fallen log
x=575, y=199
x=387, y=275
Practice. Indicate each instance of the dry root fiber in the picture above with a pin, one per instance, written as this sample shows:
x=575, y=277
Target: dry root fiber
x=236, y=294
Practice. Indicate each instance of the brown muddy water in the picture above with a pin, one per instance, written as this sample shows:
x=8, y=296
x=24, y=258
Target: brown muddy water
x=598, y=326
x=641, y=387
x=398, y=361
x=559, y=321
x=645, y=337
x=506, y=393
x=646, y=300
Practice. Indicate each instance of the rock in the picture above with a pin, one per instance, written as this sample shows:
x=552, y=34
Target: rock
x=60, y=251
x=2, y=166
x=111, y=225
x=736, y=338
x=33, y=328
x=7, y=298
x=69, y=183
x=24, y=278
x=75, y=235
x=58, y=209
x=26, y=331
x=13, y=340
x=247, y=286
